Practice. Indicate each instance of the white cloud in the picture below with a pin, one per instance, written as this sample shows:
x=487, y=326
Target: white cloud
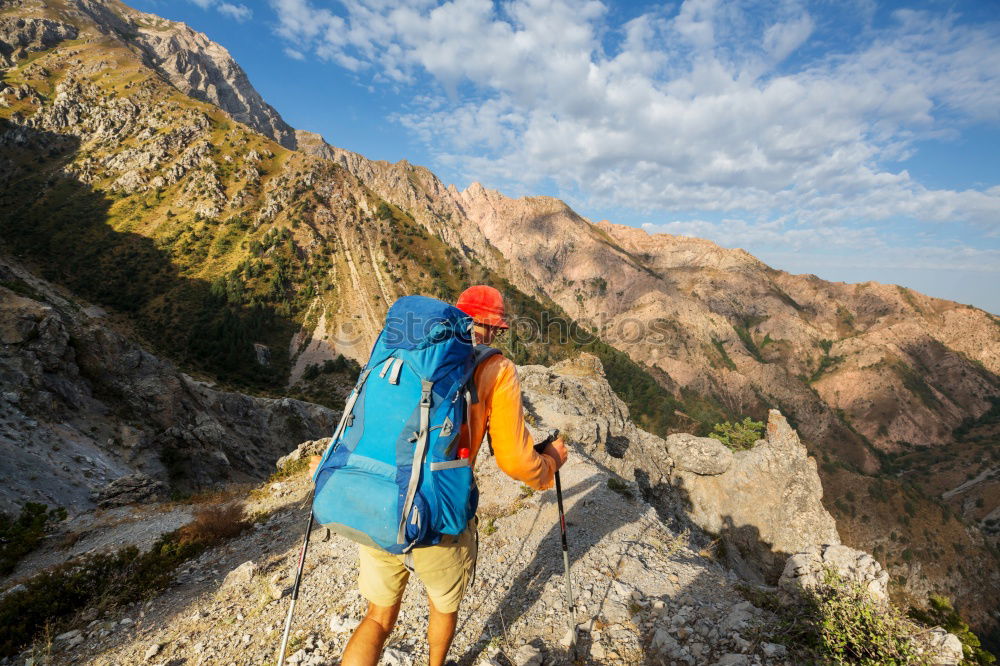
x=836, y=247
x=781, y=39
x=294, y=53
x=237, y=12
x=701, y=109
x=240, y=13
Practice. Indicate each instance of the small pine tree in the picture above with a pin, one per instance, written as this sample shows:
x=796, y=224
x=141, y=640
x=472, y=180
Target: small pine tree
x=740, y=435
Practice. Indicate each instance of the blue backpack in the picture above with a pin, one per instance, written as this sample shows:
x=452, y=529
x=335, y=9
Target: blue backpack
x=392, y=477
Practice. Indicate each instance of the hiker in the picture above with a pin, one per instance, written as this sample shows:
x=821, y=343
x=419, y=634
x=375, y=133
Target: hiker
x=446, y=568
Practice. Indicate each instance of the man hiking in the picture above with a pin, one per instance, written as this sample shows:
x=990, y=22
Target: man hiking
x=446, y=568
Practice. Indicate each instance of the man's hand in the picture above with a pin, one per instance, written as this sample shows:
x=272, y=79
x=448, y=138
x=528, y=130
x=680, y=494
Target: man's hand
x=557, y=451
x=313, y=464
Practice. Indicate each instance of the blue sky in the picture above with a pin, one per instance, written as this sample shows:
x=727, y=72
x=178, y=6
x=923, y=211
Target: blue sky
x=853, y=139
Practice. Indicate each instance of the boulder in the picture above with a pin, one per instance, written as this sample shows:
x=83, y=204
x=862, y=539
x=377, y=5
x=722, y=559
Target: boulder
x=766, y=504
x=700, y=455
x=129, y=490
x=574, y=396
x=943, y=648
x=241, y=575
x=313, y=447
x=805, y=570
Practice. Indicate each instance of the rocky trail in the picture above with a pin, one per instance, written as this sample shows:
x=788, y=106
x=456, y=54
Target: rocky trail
x=643, y=593
x=986, y=474
x=103, y=531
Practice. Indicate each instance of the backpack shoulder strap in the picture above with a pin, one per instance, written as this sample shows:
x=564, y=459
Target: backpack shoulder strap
x=479, y=354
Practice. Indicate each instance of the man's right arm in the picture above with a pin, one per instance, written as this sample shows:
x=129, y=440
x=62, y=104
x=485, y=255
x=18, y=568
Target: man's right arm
x=513, y=445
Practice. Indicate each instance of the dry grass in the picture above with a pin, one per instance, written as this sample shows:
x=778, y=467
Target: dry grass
x=69, y=540
x=676, y=543
x=215, y=496
x=214, y=524
x=712, y=551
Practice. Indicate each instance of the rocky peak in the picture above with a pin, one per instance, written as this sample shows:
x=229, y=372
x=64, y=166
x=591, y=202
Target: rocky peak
x=193, y=63
x=314, y=144
x=665, y=251
x=765, y=502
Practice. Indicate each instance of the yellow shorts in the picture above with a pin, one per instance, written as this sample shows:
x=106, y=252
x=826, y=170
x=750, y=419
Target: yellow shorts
x=444, y=569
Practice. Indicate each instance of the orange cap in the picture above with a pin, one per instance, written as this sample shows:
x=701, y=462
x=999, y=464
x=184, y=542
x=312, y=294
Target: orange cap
x=484, y=304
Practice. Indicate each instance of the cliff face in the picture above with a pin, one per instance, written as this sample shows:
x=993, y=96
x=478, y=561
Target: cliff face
x=82, y=406
x=764, y=504
x=20, y=36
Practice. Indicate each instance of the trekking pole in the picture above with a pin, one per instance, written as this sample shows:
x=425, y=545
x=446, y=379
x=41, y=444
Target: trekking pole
x=298, y=580
x=565, y=548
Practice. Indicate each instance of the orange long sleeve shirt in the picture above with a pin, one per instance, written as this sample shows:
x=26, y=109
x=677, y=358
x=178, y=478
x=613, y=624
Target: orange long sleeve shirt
x=501, y=412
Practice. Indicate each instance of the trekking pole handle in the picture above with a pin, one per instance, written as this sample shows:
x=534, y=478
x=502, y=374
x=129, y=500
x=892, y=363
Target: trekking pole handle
x=551, y=437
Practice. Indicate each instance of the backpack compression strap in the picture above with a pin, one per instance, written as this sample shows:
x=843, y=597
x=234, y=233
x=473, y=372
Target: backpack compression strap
x=479, y=354
x=418, y=456
x=345, y=418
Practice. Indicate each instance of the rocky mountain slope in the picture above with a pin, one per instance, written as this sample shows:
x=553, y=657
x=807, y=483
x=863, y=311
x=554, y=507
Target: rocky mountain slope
x=88, y=417
x=646, y=590
x=139, y=169
x=193, y=63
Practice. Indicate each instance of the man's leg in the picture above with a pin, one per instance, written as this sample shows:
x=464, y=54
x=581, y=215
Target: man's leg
x=440, y=632
x=366, y=643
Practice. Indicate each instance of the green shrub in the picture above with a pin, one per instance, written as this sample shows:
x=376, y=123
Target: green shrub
x=826, y=361
x=341, y=364
x=290, y=469
x=747, y=339
x=740, y=435
x=719, y=347
x=878, y=491
x=839, y=623
x=19, y=536
x=617, y=485
x=942, y=614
